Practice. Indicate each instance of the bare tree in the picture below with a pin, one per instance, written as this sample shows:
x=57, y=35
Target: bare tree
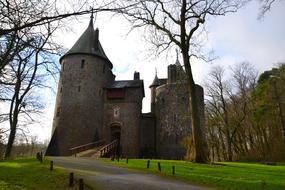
x=34, y=13
x=33, y=143
x=244, y=77
x=265, y=6
x=230, y=109
x=24, y=73
x=18, y=15
x=218, y=92
x=179, y=23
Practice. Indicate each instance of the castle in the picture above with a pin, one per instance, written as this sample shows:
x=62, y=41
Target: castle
x=92, y=106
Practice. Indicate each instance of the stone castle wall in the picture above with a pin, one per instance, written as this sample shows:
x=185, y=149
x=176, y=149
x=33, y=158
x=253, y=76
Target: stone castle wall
x=147, y=136
x=173, y=122
x=124, y=114
x=78, y=112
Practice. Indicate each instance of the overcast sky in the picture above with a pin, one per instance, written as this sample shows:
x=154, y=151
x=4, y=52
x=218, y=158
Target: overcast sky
x=235, y=38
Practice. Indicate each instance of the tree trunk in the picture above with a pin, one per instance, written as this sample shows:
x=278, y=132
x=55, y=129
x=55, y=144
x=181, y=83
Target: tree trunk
x=13, y=116
x=198, y=137
x=10, y=142
x=230, y=151
x=218, y=152
x=13, y=128
x=213, y=153
x=200, y=146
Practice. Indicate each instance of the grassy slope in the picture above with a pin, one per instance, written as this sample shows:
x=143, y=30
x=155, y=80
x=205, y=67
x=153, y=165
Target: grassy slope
x=225, y=175
x=29, y=174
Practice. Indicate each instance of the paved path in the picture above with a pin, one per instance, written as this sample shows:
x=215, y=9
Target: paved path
x=108, y=177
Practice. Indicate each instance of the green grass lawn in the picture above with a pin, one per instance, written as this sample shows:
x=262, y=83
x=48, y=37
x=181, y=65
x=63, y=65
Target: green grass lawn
x=223, y=175
x=29, y=173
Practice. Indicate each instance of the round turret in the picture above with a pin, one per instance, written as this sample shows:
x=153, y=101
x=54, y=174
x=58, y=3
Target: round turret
x=153, y=86
x=85, y=71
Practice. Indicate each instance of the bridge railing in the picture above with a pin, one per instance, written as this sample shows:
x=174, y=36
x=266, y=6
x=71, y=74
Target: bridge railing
x=84, y=147
x=108, y=148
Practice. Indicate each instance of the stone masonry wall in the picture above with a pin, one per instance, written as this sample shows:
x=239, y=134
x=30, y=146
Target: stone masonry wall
x=125, y=114
x=173, y=118
x=79, y=104
x=148, y=135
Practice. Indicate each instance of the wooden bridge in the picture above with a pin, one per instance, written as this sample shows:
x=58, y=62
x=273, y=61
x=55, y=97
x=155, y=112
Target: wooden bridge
x=96, y=149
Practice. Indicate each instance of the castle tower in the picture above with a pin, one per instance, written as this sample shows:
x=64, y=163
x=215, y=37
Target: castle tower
x=85, y=70
x=172, y=73
x=153, y=86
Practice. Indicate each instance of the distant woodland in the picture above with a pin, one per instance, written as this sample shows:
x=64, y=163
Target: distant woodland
x=245, y=114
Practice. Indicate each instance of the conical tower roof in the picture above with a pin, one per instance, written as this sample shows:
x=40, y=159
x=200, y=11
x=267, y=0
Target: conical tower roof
x=89, y=44
x=178, y=64
x=155, y=81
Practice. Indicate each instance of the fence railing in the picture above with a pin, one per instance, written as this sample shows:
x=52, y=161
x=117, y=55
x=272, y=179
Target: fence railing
x=108, y=148
x=84, y=147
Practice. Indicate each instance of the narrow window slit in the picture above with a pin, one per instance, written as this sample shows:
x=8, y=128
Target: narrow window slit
x=82, y=63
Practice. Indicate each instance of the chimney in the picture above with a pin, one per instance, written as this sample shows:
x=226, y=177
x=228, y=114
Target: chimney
x=171, y=74
x=136, y=76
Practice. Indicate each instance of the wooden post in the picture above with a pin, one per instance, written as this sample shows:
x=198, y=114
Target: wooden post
x=173, y=170
x=71, y=179
x=41, y=157
x=51, y=165
x=127, y=160
x=81, y=184
x=147, y=165
x=158, y=166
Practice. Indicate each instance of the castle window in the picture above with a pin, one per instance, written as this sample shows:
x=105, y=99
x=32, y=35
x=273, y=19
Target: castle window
x=104, y=68
x=82, y=63
x=60, y=89
x=79, y=89
x=62, y=66
x=116, y=112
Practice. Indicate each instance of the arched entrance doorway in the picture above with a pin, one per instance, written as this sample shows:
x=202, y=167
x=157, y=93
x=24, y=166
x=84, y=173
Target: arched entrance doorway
x=115, y=134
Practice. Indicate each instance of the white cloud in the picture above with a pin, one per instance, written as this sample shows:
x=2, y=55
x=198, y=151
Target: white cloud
x=241, y=35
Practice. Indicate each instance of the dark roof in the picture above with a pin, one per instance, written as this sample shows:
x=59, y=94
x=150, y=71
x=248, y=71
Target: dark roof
x=127, y=84
x=89, y=44
x=162, y=81
x=155, y=82
x=158, y=82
